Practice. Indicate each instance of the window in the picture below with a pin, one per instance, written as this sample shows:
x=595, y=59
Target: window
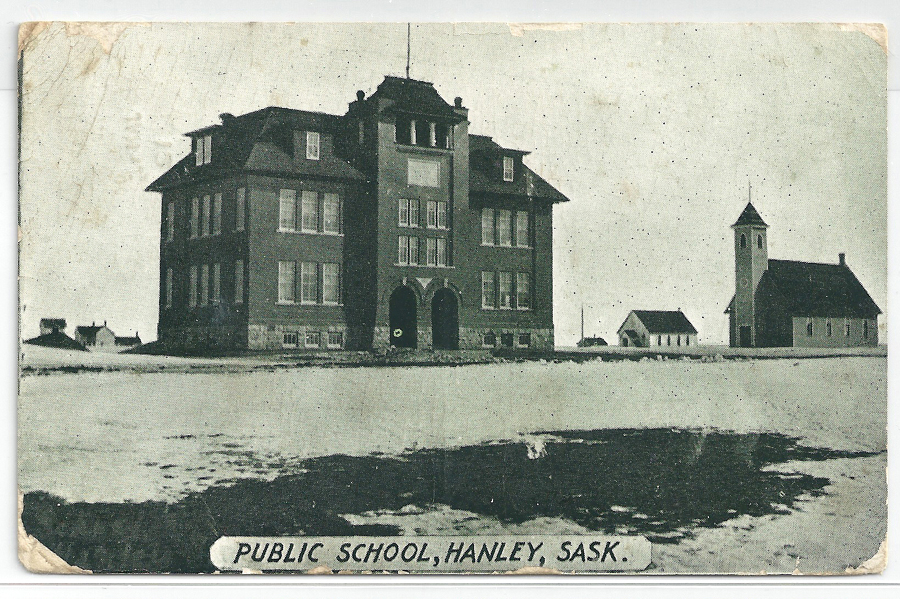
x=287, y=210
x=523, y=291
x=204, y=284
x=669, y=340
x=846, y=327
x=432, y=135
x=331, y=283
x=217, y=214
x=506, y=339
x=331, y=214
x=504, y=228
x=414, y=213
x=403, y=249
x=195, y=217
x=508, y=169
x=287, y=274
x=402, y=131
x=289, y=339
x=504, y=284
x=170, y=221
x=488, y=294
x=678, y=340
x=743, y=240
x=310, y=210
x=312, y=145
x=523, y=238
x=239, y=282
x=309, y=283
x=240, y=209
x=203, y=149
x=216, y=282
x=659, y=340
x=431, y=251
x=523, y=340
x=312, y=339
x=489, y=339
x=442, y=136
x=441, y=251
x=192, y=292
x=687, y=339
x=828, y=328
x=413, y=250
x=425, y=173
x=487, y=226
x=442, y=215
x=431, y=222
x=865, y=329
x=759, y=241
x=335, y=339
x=204, y=224
x=168, y=288
x=403, y=212
x=809, y=327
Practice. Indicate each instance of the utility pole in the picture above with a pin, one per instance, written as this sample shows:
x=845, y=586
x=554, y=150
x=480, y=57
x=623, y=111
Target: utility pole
x=408, y=34
x=582, y=322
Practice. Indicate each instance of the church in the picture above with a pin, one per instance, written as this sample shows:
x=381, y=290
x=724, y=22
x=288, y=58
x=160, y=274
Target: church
x=785, y=303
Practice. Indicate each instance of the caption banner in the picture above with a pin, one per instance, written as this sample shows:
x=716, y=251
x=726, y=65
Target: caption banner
x=567, y=553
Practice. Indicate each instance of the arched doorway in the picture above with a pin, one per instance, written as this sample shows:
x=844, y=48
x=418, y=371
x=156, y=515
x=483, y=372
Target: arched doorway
x=403, y=317
x=444, y=320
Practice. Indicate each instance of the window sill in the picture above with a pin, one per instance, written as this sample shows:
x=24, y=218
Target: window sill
x=302, y=232
x=285, y=303
x=397, y=264
x=520, y=309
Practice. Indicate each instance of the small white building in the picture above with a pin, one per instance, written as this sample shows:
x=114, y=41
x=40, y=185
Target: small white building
x=657, y=328
x=96, y=337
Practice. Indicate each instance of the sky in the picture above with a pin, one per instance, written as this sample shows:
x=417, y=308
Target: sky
x=654, y=132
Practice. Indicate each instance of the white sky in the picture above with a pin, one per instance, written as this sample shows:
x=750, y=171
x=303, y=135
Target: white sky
x=653, y=131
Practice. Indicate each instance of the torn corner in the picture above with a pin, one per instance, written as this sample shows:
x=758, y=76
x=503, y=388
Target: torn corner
x=519, y=29
x=36, y=557
x=875, y=564
x=876, y=31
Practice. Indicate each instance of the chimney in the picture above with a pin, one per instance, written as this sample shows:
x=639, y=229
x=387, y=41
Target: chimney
x=457, y=102
x=842, y=259
x=360, y=95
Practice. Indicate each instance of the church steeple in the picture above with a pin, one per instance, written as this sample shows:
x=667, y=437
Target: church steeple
x=751, y=260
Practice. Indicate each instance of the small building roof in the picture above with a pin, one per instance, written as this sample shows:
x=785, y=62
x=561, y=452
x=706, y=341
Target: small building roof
x=128, y=341
x=665, y=321
x=750, y=217
x=59, y=323
x=56, y=339
x=89, y=333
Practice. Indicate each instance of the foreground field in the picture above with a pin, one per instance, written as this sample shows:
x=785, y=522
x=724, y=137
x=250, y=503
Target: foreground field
x=814, y=430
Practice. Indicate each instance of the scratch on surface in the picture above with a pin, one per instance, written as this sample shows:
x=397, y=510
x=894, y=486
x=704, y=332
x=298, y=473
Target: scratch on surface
x=519, y=29
x=36, y=557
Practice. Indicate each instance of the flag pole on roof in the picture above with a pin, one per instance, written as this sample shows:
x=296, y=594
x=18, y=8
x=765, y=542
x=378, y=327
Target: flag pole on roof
x=408, y=34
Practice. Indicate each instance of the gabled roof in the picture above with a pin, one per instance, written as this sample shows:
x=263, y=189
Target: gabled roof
x=260, y=141
x=136, y=340
x=484, y=180
x=56, y=339
x=415, y=97
x=813, y=289
x=89, y=333
x=665, y=321
x=750, y=217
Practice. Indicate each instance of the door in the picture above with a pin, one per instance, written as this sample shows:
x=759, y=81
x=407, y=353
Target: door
x=402, y=317
x=444, y=320
x=745, y=337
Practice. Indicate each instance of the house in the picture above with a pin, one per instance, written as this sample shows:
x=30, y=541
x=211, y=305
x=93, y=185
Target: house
x=125, y=342
x=389, y=225
x=781, y=303
x=657, y=328
x=50, y=325
x=96, y=337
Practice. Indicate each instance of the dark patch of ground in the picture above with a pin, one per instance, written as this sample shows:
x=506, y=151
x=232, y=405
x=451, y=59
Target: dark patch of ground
x=661, y=483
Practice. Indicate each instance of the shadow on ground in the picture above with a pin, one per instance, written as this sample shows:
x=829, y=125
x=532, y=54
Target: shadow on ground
x=661, y=483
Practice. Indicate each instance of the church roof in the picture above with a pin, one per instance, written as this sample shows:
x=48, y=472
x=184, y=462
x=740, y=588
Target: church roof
x=750, y=217
x=665, y=321
x=813, y=289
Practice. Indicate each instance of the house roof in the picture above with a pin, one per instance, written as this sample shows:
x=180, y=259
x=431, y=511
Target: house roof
x=750, y=217
x=59, y=323
x=261, y=141
x=813, y=289
x=415, y=97
x=136, y=340
x=484, y=180
x=89, y=333
x=665, y=321
x=56, y=339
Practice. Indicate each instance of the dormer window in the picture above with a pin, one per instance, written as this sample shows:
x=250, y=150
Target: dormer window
x=203, y=149
x=508, y=168
x=312, y=145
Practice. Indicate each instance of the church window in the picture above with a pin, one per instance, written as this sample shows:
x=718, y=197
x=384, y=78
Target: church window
x=828, y=328
x=759, y=241
x=865, y=329
x=743, y=240
x=846, y=327
x=809, y=327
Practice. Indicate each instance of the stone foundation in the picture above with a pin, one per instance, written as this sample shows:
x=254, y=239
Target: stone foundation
x=272, y=337
x=473, y=338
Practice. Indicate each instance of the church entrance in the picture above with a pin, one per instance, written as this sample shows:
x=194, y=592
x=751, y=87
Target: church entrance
x=444, y=320
x=745, y=340
x=402, y=317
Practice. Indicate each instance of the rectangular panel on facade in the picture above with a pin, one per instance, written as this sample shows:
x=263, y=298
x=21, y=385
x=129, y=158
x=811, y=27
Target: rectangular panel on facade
x=204, y=284
x=240, y=209
x=217, y=214
x=239, y=282
x=425, y=173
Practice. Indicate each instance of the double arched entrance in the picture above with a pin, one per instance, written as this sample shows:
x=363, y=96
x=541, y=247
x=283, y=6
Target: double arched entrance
x=403, y=317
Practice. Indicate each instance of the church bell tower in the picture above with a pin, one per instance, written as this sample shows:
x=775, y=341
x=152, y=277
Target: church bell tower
x=751, y=260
